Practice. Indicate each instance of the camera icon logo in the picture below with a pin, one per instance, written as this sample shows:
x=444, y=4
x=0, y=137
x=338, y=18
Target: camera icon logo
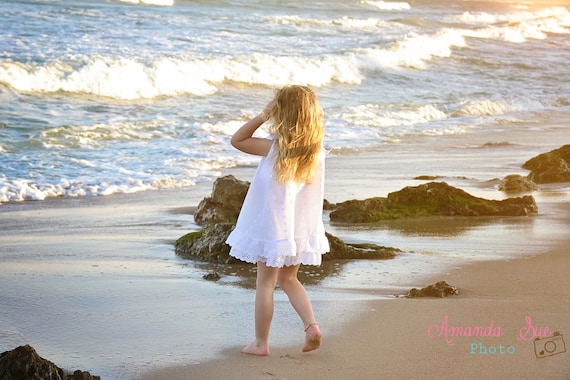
x=549, y=346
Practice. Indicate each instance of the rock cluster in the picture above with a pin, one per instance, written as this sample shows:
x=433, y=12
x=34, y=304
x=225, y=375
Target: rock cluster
x=218, y=213
x=550, y=167
x=24, y=363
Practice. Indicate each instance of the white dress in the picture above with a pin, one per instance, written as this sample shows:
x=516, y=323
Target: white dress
x=281, y=224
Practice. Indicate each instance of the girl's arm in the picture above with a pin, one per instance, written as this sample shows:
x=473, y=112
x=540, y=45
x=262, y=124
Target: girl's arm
x=243, y=140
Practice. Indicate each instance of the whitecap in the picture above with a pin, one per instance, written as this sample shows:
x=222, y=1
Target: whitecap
x=388, y=5
x=412, y=52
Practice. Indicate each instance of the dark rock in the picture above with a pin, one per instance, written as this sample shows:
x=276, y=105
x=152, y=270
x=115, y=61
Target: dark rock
x=23, y=363
x=430, y=199
x=427, y=177
x=550, y=167
x=327, y=205
x=515, y=183
x=439, y=289
x=209, y=244
x=438, y=198
x=347, y=251
x=360, y=211
x=82, y=375
x=225, y=203
x=213, y=276
x=497, y=144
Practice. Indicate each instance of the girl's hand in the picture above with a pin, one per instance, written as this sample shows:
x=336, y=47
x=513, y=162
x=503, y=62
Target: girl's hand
x=267, y=110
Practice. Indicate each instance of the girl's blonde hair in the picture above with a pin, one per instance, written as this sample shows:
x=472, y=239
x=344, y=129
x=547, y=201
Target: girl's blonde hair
x=299, y=130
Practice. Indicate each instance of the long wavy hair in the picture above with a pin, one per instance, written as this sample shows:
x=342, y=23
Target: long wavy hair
x=299, y=131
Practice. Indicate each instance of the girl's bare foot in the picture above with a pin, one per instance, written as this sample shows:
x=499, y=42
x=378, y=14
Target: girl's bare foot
x=255, y=348
x=312, y=337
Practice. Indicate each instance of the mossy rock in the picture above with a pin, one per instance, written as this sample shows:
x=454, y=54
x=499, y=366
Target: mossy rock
x=430, y=199
x=515, y=183
x=208, y=244
x=550, y=167
x=225, y=202
x=350, y=251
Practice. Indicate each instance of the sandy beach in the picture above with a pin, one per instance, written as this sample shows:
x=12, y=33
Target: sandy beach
x=117, y=302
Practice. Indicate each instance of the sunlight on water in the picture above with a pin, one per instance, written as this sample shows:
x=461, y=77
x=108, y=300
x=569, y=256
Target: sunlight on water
x=125, y=81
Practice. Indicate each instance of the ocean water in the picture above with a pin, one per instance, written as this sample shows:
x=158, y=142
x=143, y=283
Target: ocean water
x=103, y=97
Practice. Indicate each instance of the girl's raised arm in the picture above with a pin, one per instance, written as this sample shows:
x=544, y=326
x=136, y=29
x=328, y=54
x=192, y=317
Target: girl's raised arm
x=243, y=138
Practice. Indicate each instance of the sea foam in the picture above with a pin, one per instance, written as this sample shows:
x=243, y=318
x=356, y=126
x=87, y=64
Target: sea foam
x=517, y=27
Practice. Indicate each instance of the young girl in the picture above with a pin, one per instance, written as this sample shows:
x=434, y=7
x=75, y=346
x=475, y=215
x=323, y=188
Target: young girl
x=280, y=225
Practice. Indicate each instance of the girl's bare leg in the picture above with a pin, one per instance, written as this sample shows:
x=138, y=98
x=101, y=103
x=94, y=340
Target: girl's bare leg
x=265, y=287
x=288, y=281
